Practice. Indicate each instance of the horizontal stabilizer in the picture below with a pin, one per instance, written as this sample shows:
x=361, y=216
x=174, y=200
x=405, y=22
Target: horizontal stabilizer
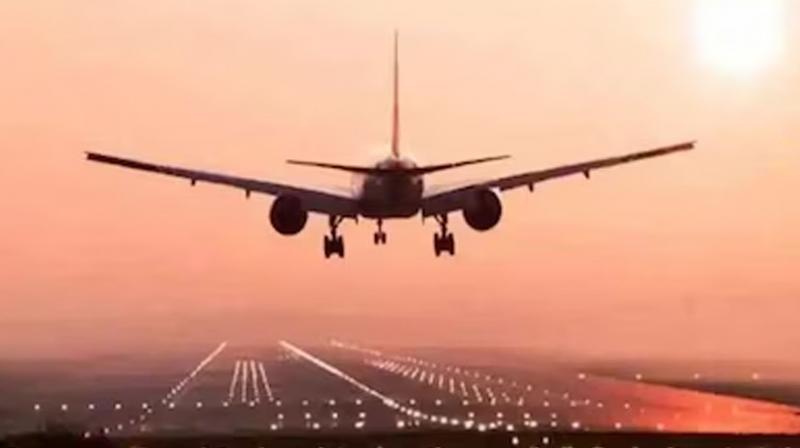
x=413, y=171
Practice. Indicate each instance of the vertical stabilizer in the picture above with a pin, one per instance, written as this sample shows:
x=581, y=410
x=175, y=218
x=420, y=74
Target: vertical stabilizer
x=396, y=104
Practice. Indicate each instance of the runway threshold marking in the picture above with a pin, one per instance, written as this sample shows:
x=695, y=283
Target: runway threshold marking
x=264, y=378
x=254, y=375
x=234, y=378
x=244, y=381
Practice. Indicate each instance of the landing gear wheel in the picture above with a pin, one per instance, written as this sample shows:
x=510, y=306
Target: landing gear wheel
x=443, y=241
x=340, y=247
x=450, y=244
x=334, y=244
x=379, y=237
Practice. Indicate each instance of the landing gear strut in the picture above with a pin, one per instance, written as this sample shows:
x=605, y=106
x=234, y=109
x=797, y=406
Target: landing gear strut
x=444, y=240
x=379, y=237
x=334, y=244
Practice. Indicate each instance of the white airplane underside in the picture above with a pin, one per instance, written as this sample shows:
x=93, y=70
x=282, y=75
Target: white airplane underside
x=394, y=188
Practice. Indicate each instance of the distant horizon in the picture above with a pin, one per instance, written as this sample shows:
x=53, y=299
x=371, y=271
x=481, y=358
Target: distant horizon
x=517, y=355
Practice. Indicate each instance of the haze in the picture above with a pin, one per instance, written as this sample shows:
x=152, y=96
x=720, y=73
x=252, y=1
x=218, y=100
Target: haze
x=693, y=256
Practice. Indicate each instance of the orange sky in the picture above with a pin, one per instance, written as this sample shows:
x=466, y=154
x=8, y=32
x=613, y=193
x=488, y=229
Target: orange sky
x=692, y=255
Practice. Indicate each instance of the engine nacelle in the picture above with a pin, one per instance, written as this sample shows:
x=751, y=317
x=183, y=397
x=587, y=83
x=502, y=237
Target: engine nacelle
x=483, y=209
x=287, y=215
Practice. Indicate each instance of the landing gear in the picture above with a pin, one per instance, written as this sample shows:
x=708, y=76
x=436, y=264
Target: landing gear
x=379, y=237
x=444, y=240
x=334, y=244
x=444, y=243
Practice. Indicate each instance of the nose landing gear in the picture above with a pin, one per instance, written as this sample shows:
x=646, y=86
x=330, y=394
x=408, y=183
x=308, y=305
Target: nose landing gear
x=334, y=244
x=444, y=240
x=379, y=237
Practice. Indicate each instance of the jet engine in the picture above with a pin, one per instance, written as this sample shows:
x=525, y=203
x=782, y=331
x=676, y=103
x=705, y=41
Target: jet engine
x=287, y=215
x=482, y=210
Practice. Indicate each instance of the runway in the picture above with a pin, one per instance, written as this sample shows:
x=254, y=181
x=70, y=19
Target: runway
x=285, y=388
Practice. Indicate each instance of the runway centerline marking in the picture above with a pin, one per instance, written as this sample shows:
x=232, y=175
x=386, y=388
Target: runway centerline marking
x=386, y=400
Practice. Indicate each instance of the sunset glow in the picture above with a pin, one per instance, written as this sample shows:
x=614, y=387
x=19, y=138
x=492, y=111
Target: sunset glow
x=740, y=37
x=692, y=256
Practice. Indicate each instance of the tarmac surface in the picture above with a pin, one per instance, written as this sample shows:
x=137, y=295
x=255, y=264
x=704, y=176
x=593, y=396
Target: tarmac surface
x=340, y=392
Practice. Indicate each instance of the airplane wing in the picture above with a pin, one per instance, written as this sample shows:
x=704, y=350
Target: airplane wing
x=314, y=200
x=440, y=201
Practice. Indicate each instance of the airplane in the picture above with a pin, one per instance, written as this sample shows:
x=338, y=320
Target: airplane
x=393, y=188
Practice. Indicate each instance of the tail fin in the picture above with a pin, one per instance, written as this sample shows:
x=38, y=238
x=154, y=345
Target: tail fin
x=415, y=171
x=396, y=105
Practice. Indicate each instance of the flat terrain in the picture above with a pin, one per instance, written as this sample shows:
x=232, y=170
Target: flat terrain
x=340, y=392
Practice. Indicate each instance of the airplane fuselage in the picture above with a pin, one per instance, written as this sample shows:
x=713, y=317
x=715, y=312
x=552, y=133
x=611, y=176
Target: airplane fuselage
x=393, y=194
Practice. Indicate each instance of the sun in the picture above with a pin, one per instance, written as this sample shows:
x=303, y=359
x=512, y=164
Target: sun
x=739, y=37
